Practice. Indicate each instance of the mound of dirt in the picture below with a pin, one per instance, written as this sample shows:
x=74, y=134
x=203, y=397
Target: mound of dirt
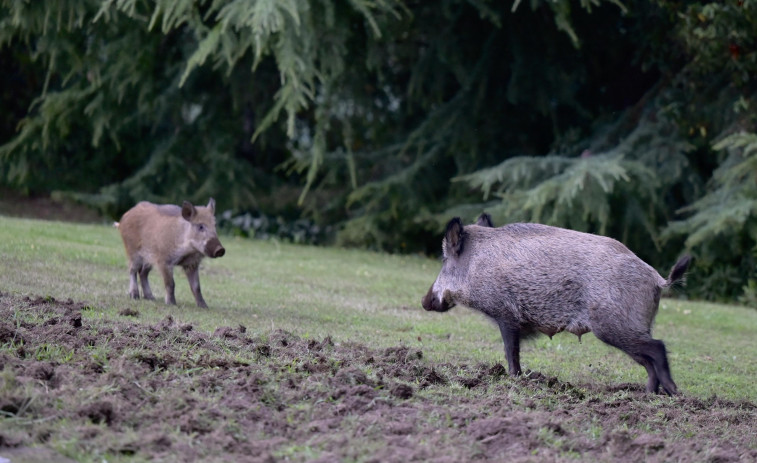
x=98, y=388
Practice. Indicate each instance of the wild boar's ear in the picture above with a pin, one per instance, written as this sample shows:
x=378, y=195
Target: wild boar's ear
x=485, y=220
x=188, y=211
x=212, y=206
x=453, y=238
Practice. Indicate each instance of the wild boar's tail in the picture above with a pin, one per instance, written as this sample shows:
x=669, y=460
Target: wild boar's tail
x=679, y=270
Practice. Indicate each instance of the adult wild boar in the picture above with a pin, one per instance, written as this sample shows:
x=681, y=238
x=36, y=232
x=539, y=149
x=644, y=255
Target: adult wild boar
x=532, y=278
x=165, y=235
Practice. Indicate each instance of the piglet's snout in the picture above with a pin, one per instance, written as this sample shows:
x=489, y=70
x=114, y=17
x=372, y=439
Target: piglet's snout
x=214, y=248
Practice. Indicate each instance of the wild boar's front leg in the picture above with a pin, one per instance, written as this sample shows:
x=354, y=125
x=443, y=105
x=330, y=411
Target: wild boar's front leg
x=167, y=272
x=193, y=275
x=511, y=338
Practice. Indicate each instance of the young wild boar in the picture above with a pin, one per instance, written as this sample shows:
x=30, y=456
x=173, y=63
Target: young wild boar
x=164, y=235
x=532, y=278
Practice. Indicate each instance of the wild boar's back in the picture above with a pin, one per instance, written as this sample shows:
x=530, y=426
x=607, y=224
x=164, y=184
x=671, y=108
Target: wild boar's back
x=550, y=278
x=539, y=254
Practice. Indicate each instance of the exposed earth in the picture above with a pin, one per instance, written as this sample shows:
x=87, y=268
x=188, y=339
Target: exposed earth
x=14, y=204
x=74, y=387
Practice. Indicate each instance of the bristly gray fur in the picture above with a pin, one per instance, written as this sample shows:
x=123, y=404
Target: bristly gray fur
x=536, y=278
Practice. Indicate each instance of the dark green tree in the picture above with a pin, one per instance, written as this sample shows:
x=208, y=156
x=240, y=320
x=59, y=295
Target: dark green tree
x=388, y=117
x=716, y=99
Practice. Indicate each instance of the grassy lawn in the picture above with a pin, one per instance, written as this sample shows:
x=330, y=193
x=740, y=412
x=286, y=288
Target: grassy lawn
x=364, y=297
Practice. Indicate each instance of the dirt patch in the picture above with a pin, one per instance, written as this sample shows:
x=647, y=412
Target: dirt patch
x=90, y=388
x=14, y=204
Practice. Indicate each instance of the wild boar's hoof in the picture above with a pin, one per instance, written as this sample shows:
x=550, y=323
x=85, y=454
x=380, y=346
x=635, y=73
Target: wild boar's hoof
x=670, y=389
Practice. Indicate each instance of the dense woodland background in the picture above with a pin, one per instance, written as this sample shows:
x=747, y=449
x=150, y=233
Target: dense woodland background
x=371, y=123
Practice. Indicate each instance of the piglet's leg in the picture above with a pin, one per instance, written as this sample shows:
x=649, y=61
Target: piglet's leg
x=193, y=275
x=167, y=272
x=143, y=274
x=133, y=287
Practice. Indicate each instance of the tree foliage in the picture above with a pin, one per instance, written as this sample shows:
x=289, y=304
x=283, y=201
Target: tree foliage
x=715, y=98
x=387, y=117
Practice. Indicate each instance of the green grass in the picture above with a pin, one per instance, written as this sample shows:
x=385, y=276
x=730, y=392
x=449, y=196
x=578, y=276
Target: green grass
x=365, y=297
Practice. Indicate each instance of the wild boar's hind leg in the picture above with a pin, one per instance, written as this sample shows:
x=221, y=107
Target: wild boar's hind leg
x=167, y=272
x=143, y=273
x=656, y=350
x=652, y=351
x=648, y=352
x=511, y=338
x=653, y=383
x=193, y=275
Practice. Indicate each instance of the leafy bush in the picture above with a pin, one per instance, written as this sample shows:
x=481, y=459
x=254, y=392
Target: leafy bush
x=261, y=226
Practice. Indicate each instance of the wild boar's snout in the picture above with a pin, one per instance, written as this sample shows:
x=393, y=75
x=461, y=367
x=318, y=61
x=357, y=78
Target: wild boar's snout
x=214, y=248
x=428, y=300
x=431, y=302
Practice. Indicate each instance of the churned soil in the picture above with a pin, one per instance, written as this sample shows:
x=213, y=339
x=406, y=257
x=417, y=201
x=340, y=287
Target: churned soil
x=75, y=387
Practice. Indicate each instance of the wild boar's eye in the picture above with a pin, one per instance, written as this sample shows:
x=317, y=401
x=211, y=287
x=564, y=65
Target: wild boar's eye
x=200, y=228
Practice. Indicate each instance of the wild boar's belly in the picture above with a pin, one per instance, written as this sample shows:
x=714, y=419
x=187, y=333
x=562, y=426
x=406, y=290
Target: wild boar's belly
x=552, y=317
x=548, y=304
x=577, y=325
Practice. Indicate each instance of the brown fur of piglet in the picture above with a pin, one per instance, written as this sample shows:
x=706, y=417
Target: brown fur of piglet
x=163, y=236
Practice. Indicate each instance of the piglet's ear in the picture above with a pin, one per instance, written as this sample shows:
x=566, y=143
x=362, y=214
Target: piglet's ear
x=453, y=238
x=212, y=206
x=188, y=211
x=485, y=220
